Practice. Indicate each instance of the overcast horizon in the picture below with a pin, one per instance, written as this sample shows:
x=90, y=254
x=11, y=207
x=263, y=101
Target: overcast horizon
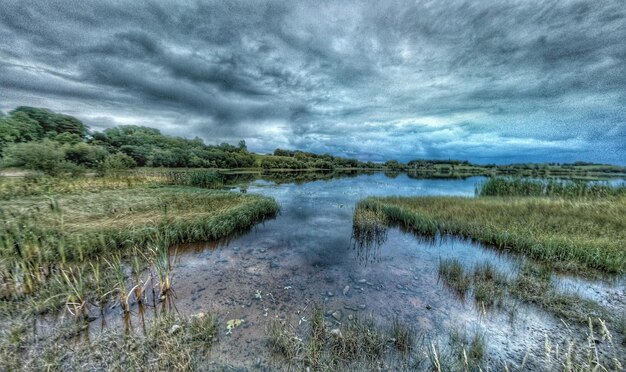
x=485, y=81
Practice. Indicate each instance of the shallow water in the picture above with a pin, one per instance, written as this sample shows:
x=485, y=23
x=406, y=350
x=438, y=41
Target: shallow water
x=305, y=257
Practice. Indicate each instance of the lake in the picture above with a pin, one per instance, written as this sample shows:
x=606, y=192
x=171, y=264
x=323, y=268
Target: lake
x=306, y=257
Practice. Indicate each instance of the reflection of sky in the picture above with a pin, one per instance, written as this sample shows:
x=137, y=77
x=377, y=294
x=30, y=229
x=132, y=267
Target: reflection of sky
x=316, y=217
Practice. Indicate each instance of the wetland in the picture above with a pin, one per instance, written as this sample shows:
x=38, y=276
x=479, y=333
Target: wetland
x=304, y=272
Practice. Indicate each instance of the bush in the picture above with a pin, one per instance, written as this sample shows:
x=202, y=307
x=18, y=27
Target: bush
x=45, y=156
x=87, y=155
x=119, y=161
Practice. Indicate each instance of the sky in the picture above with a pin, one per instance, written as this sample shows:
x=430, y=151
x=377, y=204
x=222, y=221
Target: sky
x=486, y=81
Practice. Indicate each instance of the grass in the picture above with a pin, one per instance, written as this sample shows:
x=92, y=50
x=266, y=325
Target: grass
x=453, y=275
x=533, y=285
x=469, y=348
x=499, y=186
x=570, y=234
x=70, y=247
x=181, y=344
x=13, y=187
x=76, y=226
x=489, y=285
x=354, y=345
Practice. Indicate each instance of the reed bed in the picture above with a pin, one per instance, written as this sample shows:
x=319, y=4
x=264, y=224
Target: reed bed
x=84, y=225
x=502, y=186
x=33, y=185
x=198, y=178
x=570, y=234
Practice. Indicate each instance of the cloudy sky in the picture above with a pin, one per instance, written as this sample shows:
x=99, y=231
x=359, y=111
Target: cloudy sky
x=489, y=81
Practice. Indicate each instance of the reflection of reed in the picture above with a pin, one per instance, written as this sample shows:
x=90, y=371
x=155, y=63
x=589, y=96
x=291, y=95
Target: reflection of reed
x=369, y=232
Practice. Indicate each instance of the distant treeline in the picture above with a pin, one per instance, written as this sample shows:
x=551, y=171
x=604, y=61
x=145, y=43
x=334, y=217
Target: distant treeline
x=300, y=160
x=39, y=139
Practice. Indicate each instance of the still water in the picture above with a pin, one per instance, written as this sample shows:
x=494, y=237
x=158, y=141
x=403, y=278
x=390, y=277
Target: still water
x=306, y=257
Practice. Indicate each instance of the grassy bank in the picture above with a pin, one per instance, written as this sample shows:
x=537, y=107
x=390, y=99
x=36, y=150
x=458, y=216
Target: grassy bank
x=571, y=234
x=75, y=226
x=500, y=186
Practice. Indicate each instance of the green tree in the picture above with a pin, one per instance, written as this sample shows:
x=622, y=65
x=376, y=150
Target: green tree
x=46, y=156
x=52, y=123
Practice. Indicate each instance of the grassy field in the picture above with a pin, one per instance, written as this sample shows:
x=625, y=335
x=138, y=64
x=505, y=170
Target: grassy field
x=75, y=226
x=571, y=234
x=71, y=247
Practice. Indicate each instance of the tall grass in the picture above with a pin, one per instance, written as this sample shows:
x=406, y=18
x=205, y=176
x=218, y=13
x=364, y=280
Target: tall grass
x=502, y=186
x=570, y=234
x=114, y=220
x=197, y=178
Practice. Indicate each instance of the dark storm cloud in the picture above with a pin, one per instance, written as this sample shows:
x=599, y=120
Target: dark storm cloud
x=484, y=80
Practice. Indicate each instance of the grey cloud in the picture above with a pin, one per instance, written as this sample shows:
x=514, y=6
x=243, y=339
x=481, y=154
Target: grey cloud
x=373, y=79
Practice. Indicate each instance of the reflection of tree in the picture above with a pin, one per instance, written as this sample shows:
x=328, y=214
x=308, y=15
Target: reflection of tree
x=392, y=175
x=298, y=177
x=369, y=233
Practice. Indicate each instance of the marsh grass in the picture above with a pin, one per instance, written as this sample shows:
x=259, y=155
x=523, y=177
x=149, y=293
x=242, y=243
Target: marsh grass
x=469, y=348
x=208, y=179
x=118, y=219
x=181, y=344
x=453, y=274
x=489, y=285
x=534, y=285
x=357, y=344
x=35, y=185
x=569, y=234
x=493, y=288
x=502, y=186
x=369, y=232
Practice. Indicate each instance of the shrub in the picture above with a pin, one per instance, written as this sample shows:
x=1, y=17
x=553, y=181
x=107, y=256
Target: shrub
x=45, y=156
x=119, y=161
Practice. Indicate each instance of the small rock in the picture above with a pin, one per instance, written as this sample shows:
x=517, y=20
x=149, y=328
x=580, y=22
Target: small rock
x=330, y=294
x=362, y=306
x=346, y=289
x=361, y=281
x=336, y=333
x=428, y=307
x=350, y=317
x=175, y=329
x=337, y=315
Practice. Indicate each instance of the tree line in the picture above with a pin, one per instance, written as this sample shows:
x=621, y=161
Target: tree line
x=43, y=140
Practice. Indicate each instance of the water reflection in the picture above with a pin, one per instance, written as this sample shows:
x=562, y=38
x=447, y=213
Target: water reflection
x=313, y=255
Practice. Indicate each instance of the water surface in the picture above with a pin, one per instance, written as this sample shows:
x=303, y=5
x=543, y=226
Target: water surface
x=306, y=257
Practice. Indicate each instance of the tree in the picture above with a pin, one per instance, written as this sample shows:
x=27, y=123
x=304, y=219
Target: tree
x=242, y=146
x=116, y=162
x=46, y=156
x=51, y=123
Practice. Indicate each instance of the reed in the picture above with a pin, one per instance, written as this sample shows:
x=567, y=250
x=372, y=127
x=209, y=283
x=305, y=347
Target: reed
x=198, y=178
x=117, y=268
x=76, y=300
x=503, y=186
x=453, y=274
x=116, y=220
x=570, y=234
